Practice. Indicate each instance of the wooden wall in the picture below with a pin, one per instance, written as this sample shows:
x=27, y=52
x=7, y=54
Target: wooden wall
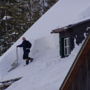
x=78, y=77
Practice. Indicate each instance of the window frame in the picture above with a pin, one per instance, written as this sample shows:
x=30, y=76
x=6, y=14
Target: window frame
x=66, y=46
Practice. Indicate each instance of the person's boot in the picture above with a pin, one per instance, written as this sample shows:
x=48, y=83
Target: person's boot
x=27, y=62
x=31, y=59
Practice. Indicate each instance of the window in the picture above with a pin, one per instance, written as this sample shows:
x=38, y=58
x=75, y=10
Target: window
x=66, y=46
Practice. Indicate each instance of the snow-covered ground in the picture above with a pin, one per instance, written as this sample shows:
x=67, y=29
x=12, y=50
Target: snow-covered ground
x=48, y=70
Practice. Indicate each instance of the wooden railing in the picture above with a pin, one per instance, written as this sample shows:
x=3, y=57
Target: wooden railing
x=75, y=68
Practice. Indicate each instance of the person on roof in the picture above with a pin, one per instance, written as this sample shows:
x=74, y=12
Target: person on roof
x=26, y=45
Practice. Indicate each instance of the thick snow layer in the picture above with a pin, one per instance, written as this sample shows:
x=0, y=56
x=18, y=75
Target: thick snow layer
x=48, y=70
x=85, y=14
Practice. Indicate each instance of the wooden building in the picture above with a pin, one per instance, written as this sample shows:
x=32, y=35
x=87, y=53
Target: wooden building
x=71, y=34
x=78, y=77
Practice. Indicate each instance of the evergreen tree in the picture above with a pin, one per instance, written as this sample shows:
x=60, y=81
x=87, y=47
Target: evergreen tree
x=12, y=23
x=16, y=16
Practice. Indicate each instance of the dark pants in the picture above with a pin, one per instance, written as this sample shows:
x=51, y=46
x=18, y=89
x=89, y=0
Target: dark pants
x=26, y=56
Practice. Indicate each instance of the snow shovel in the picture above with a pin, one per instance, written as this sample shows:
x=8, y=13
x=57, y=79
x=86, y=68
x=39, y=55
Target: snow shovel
x=15, y=63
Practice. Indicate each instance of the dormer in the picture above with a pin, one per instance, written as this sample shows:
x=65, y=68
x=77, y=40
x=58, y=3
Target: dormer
x=71, y=35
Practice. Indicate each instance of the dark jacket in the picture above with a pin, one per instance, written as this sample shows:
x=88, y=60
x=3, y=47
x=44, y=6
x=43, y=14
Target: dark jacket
x=25, y=44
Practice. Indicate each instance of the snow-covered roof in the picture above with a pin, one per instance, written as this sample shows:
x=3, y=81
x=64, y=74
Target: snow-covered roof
x=57, y=30
x=48, y=70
